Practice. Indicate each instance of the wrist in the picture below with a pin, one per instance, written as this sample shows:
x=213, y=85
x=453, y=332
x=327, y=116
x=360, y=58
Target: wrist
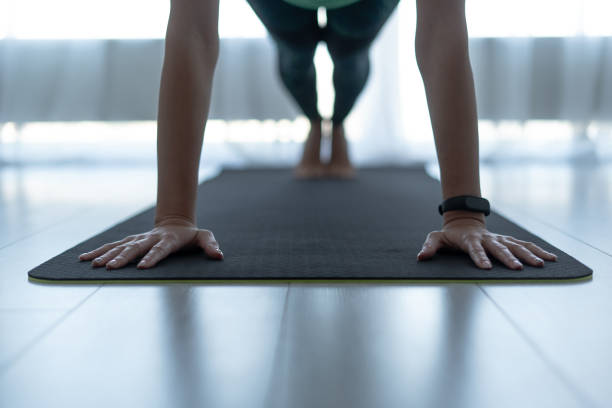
x=175, y=219
x=453, y=215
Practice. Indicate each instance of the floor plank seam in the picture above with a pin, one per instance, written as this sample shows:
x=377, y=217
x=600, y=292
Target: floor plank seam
x=4, y=367
x=275, y=358
x=584, y=399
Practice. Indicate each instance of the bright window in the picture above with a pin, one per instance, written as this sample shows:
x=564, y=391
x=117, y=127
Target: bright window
x=148, y=18
x=60, y=19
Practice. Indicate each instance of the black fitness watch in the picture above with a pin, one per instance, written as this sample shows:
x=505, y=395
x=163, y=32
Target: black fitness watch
x=466, y=203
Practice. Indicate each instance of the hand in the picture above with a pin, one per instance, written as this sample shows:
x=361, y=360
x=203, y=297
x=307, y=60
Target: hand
x=168, y=236
x=471, y=236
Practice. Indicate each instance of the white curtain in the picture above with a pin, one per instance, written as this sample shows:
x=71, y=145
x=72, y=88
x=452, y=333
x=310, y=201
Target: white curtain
x=558, y=69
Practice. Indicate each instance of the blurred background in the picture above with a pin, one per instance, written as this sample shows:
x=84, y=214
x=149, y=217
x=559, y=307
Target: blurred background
x=79, y=83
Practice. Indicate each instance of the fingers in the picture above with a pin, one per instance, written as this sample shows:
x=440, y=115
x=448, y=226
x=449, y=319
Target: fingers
x=433, y=242
x=549, y=256
x=101, y=250
x=502, y=253
x=478, y=254
x=103, y=259
x=511, y=251
x=130, y=251
x=158, y=252
x=206, y=240
x=524, y=254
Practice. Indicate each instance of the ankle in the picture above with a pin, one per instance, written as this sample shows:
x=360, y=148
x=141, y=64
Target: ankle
x=315, y=129
x=338, y=132
x=315, y=123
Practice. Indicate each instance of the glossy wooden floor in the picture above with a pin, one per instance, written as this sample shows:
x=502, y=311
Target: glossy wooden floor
x=301, y=345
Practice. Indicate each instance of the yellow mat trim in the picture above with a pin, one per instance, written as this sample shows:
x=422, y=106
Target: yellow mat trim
x=313, y=281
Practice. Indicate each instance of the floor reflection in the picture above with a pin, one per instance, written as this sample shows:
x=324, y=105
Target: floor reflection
x=453, y=361
x=220, y=343
x=184, y=336
x=363, y=346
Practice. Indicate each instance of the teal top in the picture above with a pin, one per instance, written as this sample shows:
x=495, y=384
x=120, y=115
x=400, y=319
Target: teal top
x=315, y=4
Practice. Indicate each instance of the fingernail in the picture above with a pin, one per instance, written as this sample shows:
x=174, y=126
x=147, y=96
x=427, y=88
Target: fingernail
x=487, y=264
x=98, y=260
x=112, y=263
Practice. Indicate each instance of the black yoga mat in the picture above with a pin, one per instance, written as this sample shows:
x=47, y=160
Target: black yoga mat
x=272, y=226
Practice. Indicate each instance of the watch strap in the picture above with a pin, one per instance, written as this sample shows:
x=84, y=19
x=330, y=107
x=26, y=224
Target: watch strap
x=466, y=203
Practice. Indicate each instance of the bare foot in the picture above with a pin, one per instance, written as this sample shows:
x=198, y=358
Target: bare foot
x=339, y=165
x=310, y=165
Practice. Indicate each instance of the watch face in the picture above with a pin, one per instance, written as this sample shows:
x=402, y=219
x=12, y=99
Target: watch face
x=475, y=203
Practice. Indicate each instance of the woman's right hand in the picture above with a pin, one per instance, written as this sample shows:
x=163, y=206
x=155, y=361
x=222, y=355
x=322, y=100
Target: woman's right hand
x=167, y=237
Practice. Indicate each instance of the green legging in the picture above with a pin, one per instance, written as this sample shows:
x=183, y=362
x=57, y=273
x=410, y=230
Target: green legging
x=348, y=34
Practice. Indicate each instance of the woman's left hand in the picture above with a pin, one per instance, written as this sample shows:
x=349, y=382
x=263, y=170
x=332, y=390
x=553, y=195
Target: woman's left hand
x=471, y=236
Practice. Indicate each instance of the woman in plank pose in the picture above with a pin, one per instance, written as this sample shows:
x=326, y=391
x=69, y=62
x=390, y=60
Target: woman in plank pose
x=441, y=48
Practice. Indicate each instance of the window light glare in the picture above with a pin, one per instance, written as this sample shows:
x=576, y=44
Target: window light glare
x=133, y=19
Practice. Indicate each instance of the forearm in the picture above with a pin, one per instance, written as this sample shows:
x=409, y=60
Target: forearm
x=449, y=87
x=184, y=100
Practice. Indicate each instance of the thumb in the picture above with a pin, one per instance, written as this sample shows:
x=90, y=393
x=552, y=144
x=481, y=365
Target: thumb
x=206, y=241
x=433, y=242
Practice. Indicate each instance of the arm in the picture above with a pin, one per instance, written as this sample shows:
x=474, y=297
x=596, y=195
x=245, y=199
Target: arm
x=191, y=52
x=441, y=47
